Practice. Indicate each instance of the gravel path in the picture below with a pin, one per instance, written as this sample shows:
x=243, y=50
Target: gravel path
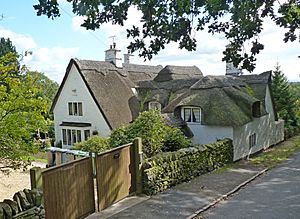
x=15, y=181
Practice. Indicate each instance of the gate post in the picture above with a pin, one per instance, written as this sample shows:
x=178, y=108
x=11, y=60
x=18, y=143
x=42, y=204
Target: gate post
x=138, y=158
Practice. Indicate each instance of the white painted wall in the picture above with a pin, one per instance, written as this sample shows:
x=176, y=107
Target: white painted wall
x=204, y=134
x=75, y=90
x=268, y=132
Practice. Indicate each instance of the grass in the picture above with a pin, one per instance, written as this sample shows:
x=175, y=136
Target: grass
x=41, y=156
x=273, y=156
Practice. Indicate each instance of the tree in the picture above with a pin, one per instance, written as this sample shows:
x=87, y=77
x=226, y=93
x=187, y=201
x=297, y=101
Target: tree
x=166, y=21
x=21, y=111
x=284, y=98
x=6, y=46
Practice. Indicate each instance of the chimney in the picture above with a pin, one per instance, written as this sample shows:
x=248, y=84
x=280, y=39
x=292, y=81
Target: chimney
x=231, y=70
x=127, y=58
x=111, y=54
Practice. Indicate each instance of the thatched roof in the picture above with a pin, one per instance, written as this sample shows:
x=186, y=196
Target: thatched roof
x=138, y=73
x=172, y=85
x=224, y=100
x=110, y=88
x=263, y=78
x=218, y=81
x=171, y=72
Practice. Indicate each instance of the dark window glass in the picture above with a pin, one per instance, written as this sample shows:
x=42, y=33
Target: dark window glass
x=87, y=134
x=69, y=137
x=78, y=136
x=187, y=115
x=64, y=133
x=70, y=109
x=80, y=109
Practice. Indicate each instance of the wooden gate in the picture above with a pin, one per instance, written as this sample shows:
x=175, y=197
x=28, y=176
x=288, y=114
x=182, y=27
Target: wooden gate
x=69, y=190
x=115, y=175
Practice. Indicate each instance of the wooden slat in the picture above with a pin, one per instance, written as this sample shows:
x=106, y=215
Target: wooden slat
x=114, y=175
x=69, y=190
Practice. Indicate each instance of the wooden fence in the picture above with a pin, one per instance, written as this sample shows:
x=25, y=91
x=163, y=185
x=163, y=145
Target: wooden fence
x=69, y=190
x=115, y=175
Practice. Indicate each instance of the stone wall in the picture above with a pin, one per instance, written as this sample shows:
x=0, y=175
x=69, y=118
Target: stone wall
x=25, y=204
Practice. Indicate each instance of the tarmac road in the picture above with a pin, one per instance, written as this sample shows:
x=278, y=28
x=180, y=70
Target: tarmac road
x=274, y=195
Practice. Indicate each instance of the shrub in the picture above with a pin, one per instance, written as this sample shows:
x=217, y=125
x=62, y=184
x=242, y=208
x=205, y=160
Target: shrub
x=94, y=144
x=120, y=136
x=155, y=134
x=174, y=139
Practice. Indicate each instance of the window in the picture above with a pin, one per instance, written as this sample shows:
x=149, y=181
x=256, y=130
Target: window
x=252, y=140
x=64, y=136
x=154, y=105
x=87, y=134
x=191, y=114
x=75, y=108
x=71, y=136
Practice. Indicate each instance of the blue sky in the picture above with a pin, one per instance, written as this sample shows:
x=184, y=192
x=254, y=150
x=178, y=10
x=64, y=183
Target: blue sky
x=55, y=42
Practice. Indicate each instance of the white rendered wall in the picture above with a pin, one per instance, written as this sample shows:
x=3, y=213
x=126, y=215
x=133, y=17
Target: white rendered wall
x=75, y=90
x=209, y=134
x=268, y=132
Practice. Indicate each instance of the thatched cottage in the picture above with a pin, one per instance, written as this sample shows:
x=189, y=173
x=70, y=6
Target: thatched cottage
x=97, y=96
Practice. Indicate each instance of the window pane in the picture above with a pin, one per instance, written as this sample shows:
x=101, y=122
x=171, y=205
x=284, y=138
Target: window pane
x=73, y=136
x=87, y=134
x=196, y=115
x=78, y=136
x=75, y=108
x=69, y=137
x=80, y=109
x=187, y=114
x=64, y=133
x=70, y=109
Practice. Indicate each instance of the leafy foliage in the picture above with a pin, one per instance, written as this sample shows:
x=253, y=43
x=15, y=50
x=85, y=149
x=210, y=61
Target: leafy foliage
x=284, y=98
x=156, y=136
x=174, y=139
x=21, y=110
x=165, y=21
x=168, y=169
x=94, y=144
x=6, y=46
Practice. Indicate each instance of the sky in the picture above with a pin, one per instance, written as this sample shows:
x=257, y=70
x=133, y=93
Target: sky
x=54, y=42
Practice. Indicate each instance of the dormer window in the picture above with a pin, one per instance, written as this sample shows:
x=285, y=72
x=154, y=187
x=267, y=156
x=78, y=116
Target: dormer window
x=154, y=105
x=75, y=108
x=191, y=114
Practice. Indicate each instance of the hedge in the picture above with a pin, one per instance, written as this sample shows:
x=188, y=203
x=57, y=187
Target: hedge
x=291, y=131
x=168, y=169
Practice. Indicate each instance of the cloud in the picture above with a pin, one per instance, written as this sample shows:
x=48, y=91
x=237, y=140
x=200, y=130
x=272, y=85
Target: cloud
x=51, y=61
x=21, y=41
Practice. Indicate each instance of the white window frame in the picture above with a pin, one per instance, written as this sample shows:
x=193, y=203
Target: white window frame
x=75, y=108
x=192, y=109
x=72, y=135
x=252, y=140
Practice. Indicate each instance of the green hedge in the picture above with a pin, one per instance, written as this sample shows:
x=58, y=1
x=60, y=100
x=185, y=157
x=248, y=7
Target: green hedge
x=168, y=169
x=291, y=131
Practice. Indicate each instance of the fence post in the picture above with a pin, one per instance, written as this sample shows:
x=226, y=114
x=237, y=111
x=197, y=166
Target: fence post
x=138, y=158
x=36, y=178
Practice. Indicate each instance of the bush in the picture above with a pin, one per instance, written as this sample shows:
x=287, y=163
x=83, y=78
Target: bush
x=174, y=139
x=156, y=135
x=167, y=169
x=94, y=144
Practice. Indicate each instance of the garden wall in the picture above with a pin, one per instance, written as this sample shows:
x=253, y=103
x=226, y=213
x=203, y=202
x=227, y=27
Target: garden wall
x=25, y=204
x=167, y=169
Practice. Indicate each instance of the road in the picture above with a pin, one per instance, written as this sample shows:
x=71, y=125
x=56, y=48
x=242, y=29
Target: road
x=274, y=195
